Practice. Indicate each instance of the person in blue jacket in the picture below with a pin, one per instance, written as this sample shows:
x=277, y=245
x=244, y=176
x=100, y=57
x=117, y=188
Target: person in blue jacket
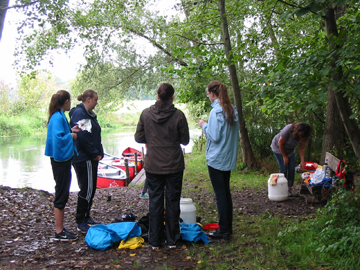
x=222, y=133
x=61, y=149
x=91, y=151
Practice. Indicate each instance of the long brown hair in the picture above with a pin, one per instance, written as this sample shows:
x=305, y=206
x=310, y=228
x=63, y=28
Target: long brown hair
x=57, y=101
x=302, y=127
x=220, y=90
x=87, y=93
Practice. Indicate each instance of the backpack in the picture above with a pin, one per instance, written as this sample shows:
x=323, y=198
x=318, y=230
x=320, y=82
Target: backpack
x=344, y=175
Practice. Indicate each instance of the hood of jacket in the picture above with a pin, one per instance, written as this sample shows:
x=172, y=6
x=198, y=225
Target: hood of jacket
x=161, y=114
x=90, y=113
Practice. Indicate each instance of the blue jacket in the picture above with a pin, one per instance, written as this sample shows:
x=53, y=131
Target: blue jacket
x=222, y=139
x=59, y=142
x=88, y=143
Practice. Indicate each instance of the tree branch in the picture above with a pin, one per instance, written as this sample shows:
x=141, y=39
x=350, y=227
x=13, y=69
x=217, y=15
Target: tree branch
x=294, y=6
x=25, y=5
x=291, y=5
x=181, y=62
x=195, y=41
x=129, y=76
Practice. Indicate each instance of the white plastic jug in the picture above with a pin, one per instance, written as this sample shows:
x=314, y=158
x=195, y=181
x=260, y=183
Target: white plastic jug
x=279, y=192
x=187, y=210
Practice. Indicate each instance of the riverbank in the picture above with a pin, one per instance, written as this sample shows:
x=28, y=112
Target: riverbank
x=27, y=226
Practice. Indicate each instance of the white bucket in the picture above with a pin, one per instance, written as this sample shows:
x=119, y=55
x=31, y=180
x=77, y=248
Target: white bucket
x=279, y=192
x=187, y=210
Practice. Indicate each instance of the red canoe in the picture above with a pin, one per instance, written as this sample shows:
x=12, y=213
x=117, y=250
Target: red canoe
x=110, y=176
x=130, y=154
x=119, y=163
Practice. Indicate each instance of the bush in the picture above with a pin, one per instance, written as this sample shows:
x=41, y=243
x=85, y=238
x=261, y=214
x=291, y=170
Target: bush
x=334, y=235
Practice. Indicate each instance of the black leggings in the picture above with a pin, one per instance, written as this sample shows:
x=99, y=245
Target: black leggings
x=62, y=177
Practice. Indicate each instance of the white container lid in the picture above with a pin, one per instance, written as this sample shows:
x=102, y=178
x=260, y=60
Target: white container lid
x=186, y=200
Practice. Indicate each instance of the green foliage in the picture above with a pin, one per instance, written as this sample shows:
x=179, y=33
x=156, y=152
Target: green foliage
x=4, y=99
x=340, y=232
x=115, y=120
x=21, y=124
x=34, y=91
x=283, y=56
x=334, y=235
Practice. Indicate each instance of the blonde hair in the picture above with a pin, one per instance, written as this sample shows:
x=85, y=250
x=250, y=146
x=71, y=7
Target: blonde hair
x=87, y=93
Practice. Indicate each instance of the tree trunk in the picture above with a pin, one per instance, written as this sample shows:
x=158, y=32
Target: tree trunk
x=4, y=4
x=342, y=101
x=248, y=154
x=333, y=136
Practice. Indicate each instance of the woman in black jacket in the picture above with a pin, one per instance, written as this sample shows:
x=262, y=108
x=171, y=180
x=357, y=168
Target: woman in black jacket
x=90, y=152
x=163, y=128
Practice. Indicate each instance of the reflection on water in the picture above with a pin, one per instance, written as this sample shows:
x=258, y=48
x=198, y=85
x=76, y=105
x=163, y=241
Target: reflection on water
x=23, y=163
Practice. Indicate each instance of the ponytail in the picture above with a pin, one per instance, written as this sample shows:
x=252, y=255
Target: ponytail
x=220, y=90
x=57, y=101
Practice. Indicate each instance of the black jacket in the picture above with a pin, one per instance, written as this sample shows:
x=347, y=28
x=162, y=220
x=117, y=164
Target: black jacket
x=88, y=143
x=163, y=130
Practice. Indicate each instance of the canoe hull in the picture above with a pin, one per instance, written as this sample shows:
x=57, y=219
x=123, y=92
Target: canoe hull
x=110, y=176
x=103, y=182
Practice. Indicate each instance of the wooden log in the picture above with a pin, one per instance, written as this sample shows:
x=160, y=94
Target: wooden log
x=143, y=156
x=332, y=161
x=139, y=178
x=136, y=168
x=127, y=171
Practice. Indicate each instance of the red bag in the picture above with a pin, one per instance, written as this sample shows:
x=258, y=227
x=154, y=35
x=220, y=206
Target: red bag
x=310, y=166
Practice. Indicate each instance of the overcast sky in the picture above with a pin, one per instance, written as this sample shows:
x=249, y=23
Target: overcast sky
x=64, y=66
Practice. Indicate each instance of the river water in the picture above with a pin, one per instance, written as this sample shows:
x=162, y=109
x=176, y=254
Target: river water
x=23, y=163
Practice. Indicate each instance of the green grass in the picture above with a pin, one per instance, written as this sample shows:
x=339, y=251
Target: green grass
x=273, y=242
x=24, y=124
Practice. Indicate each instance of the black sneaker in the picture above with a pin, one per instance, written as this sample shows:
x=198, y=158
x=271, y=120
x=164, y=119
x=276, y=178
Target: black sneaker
x=83, y=227
x=218, y=235
x=65, y=235
x=89, y=221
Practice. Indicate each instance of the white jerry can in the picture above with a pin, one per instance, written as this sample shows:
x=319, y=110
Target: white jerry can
x=278, y=192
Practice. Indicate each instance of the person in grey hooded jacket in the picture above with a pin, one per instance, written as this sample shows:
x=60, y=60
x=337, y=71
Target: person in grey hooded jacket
x=163, y=128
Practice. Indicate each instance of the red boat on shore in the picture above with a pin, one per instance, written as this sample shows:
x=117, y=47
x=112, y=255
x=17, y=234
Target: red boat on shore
x=119, y=163
x=110, y=176
x=129, y=153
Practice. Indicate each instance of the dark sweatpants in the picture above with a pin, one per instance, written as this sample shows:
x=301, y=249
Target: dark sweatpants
x=220, y=181
x=156, y=184
x=86, y=173
x=62, y=177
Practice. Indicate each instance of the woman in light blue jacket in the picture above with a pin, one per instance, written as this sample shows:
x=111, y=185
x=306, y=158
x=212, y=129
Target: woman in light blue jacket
x=222, y=133
x=60, y=148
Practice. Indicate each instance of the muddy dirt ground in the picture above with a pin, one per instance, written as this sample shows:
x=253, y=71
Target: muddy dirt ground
x=27, y=225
